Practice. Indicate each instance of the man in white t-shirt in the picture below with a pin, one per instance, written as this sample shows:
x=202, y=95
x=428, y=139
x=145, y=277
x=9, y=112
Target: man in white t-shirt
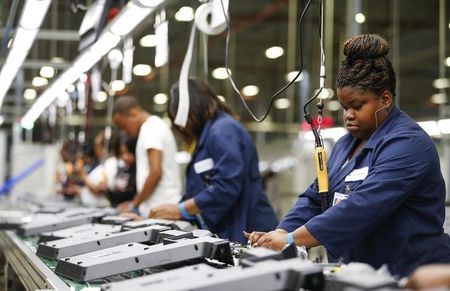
x=157, y=173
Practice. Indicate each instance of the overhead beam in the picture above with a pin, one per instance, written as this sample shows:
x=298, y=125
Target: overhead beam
x=50, y=34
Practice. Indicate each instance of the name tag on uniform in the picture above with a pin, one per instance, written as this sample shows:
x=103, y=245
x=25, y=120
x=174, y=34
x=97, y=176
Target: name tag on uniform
x=204, y=165
x=338, y=197
x=357, y=175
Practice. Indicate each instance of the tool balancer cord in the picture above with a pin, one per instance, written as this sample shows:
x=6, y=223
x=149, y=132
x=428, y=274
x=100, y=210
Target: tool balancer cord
x=274, y=96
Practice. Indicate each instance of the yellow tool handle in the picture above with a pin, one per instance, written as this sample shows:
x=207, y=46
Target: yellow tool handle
x=321, y=167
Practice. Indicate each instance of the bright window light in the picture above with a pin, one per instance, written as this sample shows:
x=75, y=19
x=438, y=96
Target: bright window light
x=291, y=75
x=117, y=85
x=47, y=72
x=29, y=94
x=142, y=69
x=220, y=73
x=360, y=18
x=185, y=14
x=148, y=41
x=274, y=52
x=250, y=90
x=39, y=82
x=326, y=93
x=282, y=103
x=160, y=98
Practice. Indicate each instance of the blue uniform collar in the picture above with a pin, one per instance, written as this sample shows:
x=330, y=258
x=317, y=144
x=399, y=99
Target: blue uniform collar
x=383, y=129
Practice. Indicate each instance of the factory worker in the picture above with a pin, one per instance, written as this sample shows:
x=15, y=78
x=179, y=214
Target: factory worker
x=224, y=190
x=385, y=183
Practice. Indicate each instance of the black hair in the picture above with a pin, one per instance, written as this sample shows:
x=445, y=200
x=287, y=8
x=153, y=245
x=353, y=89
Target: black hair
x=204, y=105
x=365, y=65
x=124, y=104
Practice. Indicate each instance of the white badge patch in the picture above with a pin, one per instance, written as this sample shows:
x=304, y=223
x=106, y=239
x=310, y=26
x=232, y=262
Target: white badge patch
x=204, y=165
x=357, y=175
x=338, y=197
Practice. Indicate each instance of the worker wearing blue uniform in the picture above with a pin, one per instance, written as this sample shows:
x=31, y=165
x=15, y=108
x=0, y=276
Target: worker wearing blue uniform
x=385, y=184
x=224, y=190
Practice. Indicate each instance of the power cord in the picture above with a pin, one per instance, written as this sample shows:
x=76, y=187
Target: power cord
x=274, y=96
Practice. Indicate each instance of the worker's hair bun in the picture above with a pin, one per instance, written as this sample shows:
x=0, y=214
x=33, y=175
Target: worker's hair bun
x=368, y=46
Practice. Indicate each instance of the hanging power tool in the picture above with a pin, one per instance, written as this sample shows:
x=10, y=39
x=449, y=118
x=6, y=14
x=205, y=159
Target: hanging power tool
x=319, y=151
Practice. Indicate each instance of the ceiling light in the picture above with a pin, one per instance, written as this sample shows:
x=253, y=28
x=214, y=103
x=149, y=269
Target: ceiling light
x=274, y=52
x=160, y=98
x=115, y=58
x=148, y=41
x=130, y=16
x=29, y=94
x=220, y=73
x=439, y=98
x=57, y=60
x=185, y=14
x=447, y=62
x=291, y=75
x=250, y=90
x=360, y=18
x=282, y=103
x=326, y=93
x=444, y=126
x=33, y=13
x=39, y=82
x=221, y=98
x=150, y=3
x=142, y=69
x=117, y=85
x=47, y=72
x=71, y=88
x=441, y=83
x=333, y=105
x=63, y=99
x=101, y=96
x=83, y=78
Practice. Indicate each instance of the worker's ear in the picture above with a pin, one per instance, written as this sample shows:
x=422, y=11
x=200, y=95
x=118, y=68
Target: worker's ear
x=387, y=99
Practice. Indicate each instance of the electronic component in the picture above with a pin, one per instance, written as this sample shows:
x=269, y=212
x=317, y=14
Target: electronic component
x=87, y=243
x=136, y=256
x=291, y=274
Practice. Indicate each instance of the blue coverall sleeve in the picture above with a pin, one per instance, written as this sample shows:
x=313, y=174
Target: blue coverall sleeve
x=226, y=149
x=399, y=165
x=307, y=206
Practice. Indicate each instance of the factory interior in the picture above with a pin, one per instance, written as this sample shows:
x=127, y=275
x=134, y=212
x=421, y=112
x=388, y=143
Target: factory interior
x=224, y=144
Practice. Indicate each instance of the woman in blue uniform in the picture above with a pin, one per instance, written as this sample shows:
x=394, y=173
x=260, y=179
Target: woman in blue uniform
x=384, y=173
x=224, y=190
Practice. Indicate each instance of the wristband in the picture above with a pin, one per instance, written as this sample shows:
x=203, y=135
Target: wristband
x=184, y=213
x=290, y=238
x=133, y=209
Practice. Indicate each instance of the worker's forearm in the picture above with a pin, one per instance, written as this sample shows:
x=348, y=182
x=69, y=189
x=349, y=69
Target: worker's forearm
x=303, y=237
x=191, y=207
x=149, y=186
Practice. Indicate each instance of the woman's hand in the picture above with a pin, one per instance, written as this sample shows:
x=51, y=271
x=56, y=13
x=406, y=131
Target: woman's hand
x=275, y=239
x=165, y=211
x=124, y=207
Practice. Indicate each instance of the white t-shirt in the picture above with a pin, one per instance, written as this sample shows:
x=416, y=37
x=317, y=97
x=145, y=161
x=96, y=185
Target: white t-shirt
x=107, y=169
x=155, y=134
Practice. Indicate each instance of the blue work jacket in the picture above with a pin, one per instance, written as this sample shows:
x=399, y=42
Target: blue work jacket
x=395, y=210
x=224, y=179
